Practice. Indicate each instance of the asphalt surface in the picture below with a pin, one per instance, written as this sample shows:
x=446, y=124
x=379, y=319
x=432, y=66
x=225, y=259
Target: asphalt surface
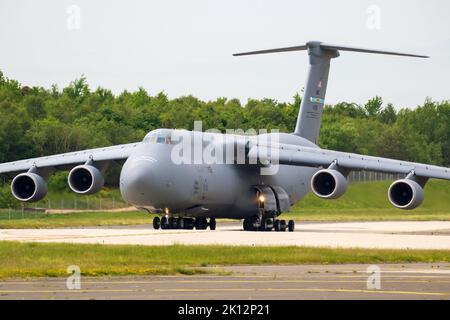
x=382, y=235
x=406, y=281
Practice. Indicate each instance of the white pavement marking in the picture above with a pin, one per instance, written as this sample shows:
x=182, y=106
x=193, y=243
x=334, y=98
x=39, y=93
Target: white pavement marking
x=382, y=235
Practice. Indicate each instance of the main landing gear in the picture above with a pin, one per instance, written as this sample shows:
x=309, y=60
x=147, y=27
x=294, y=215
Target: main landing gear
x=268, y=224
x=184, y=223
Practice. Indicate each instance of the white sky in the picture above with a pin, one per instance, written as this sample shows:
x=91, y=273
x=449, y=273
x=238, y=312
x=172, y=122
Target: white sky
x=184, y=47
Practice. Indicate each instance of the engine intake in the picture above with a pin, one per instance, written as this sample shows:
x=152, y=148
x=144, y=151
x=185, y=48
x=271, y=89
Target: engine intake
x=406, y=194
x=85, y=179
x=29, y=187
x=329, y=184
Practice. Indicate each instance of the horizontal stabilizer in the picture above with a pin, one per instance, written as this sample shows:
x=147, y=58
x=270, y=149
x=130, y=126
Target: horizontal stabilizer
x=326, y=46
x=354, y=49
x=313, y=102
x=296, y=48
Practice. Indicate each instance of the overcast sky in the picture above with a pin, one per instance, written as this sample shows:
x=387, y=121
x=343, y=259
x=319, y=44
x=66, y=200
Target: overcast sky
x=184, y=47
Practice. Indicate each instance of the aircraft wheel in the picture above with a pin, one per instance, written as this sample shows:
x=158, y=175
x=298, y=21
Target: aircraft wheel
x=201, y=224
x=277, y=225
x=164, y=223
x=254, y=222
x=291, y=225
x=188, y=223
x=283, y=225
x=263, y=226
x=245, y=224
x=172, y=223
x=212, y=224
x=156, y=223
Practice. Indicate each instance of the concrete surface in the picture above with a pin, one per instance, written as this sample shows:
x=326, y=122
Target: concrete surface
x=386, y=235
x=410, y=281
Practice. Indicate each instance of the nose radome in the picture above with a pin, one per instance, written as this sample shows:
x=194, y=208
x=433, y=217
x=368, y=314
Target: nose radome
x=137, y=180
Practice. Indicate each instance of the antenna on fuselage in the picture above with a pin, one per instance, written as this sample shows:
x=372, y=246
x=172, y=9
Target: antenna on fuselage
x=320, y=54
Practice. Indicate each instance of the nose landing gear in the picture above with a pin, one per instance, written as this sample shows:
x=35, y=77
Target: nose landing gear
x=183, y=223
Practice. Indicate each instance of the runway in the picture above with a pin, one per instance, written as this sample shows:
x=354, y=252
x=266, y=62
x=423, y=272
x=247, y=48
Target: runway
x=410, y=281
x=382, y=235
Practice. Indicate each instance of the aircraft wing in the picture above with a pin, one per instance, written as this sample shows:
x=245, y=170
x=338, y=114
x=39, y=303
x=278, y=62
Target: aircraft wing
x=68, y=160
x=315, y=157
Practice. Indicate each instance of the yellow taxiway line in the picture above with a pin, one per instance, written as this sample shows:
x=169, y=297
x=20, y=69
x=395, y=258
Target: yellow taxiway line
x=441, y=294
x=444, y=294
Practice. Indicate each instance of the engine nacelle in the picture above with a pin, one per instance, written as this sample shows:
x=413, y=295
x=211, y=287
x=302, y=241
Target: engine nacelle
x=329, y=184
x=85, y=179
x=405, y=194
x=29, y=187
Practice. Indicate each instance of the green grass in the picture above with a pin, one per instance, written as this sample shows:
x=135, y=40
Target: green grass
x=49, y=259
x=78, y=219
x=362, y=202
x=107, y=198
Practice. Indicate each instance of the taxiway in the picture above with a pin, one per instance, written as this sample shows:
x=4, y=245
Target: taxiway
x=380, y=235
x=405, y=281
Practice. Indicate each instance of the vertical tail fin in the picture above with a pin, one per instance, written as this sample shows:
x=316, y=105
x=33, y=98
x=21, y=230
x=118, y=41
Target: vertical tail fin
x=311, y=108
x=320, y=55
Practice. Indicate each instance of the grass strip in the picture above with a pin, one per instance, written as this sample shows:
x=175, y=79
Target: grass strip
x=52, y=259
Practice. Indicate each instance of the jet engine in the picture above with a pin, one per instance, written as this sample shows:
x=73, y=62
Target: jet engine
x=29, y=187
x=85, y=179
x=328, y=184
x=406, y=194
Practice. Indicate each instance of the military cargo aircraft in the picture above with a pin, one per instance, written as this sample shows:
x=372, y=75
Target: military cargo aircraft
x=163, y=175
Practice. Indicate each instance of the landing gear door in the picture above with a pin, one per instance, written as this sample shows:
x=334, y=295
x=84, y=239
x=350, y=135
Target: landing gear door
x=283, y=201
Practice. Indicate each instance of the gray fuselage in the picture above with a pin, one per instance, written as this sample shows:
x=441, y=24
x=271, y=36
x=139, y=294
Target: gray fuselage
x=150, y=180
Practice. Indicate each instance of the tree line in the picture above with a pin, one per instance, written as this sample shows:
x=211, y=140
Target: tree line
x=35, y=121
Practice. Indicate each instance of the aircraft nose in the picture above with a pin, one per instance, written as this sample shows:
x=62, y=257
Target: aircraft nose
x=137, y=180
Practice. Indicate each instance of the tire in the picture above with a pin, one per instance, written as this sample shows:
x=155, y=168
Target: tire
x=188, y=223
x=171, y=223
x=201, y=224
x=247, y=224
x=252, y=222
x=263, y=226
x=244, y=225
x=156, y=223
x=197, y=223
x=212, y=224
x=204, y=224
x=277, y=225
x=283, y=225
x=291, y=225
x=164, y=223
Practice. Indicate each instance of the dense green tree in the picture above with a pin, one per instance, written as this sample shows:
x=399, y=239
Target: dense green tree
x=37, y=121
x=374, y=106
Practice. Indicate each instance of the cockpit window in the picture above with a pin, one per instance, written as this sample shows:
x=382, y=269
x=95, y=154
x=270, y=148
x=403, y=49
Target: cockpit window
x=159, y=136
